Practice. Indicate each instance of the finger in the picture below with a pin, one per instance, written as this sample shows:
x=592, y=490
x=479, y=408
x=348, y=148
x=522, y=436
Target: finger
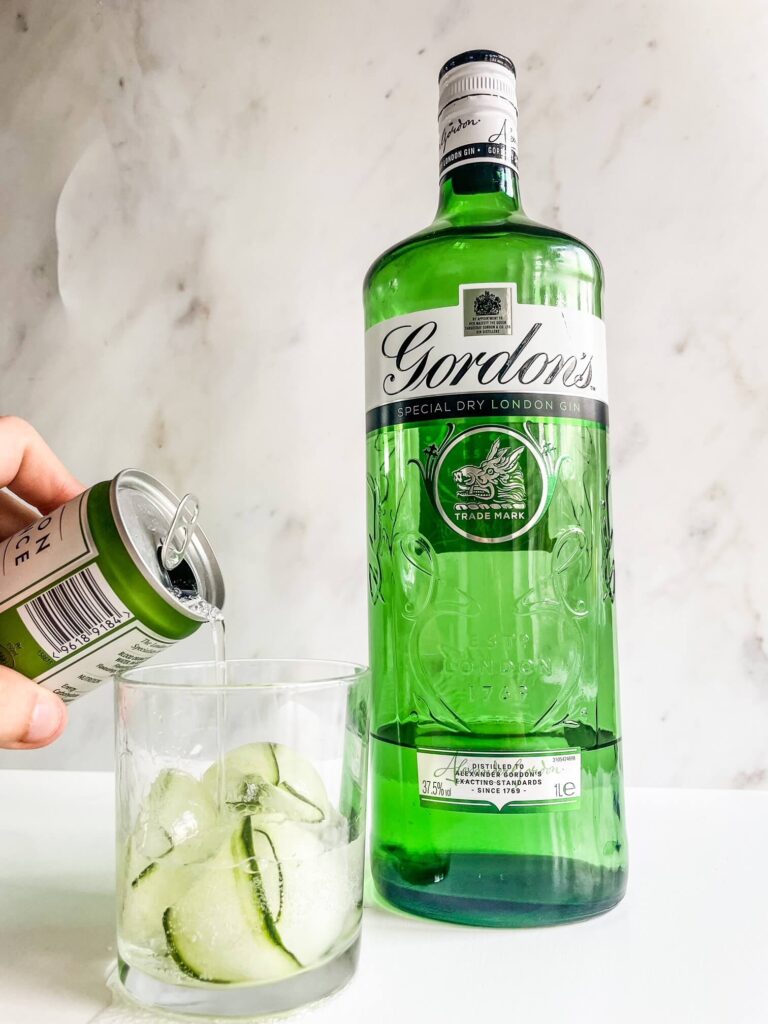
x=30, y=715
x=14, y=514
x=29, y=468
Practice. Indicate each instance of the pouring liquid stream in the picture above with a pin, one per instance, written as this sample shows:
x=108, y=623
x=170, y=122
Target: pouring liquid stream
x=171, y=554
x=219, y=636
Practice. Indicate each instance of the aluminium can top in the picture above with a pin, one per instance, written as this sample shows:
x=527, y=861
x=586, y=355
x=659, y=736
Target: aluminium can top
x=143, y=510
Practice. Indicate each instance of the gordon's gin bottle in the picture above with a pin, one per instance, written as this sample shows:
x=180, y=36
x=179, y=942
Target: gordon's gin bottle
x=497, y=794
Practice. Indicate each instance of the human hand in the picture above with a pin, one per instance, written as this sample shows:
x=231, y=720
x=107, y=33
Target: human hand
x=30, y=715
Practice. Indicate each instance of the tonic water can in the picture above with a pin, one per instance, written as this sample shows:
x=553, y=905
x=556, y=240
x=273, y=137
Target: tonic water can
x=84, y=593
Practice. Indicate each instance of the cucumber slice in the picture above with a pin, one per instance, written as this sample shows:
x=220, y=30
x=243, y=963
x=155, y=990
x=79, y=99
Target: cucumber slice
x=219, y=930
x=300, y=778
x=161, y=883
x=146, y=898
x=271, y=780
x=132, y=863
x=304, y=885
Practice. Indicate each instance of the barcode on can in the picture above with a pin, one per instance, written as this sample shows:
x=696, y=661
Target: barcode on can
x=74, y=612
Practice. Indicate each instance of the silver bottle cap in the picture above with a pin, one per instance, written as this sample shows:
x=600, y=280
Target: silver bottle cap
x=477, y=73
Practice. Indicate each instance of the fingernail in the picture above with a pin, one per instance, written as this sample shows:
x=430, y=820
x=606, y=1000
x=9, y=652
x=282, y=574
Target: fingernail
x=45, y=720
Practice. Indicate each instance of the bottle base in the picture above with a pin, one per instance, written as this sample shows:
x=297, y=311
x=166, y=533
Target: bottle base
x=499, y=891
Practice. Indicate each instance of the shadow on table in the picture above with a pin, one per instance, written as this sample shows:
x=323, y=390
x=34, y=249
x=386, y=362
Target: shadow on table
x=58, y=939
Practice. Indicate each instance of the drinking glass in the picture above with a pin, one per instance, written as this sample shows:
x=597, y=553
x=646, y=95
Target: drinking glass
x=240, y=833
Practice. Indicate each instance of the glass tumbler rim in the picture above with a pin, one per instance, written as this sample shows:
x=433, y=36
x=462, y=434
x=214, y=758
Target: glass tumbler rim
x=335, y=673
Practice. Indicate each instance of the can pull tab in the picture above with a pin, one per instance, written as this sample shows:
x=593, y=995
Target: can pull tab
x=180, y=532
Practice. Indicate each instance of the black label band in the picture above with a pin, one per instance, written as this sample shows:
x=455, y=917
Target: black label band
x=479, y=404
x=495, y=151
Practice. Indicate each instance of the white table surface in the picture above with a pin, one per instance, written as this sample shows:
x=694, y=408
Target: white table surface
x=688, y=945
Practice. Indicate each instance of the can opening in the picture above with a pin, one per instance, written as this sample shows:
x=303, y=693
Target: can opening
x=181, y=578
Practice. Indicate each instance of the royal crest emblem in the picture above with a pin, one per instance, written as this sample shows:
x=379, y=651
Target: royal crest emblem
x=487, y=304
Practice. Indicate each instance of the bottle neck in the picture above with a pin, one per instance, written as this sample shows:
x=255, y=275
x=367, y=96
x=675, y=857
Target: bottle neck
x=477, y=129
x=479, y=193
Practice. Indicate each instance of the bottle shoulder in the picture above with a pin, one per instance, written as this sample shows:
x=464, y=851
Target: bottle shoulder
x=513, y=233
x=549, y=266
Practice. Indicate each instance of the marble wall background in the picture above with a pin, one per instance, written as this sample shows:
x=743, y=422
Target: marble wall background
x=190, y=193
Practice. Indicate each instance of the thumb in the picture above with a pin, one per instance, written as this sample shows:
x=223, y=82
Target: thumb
x=30, y=715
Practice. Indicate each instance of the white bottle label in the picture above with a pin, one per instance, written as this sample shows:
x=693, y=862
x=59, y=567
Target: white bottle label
x=84, y=631
x=489, y=355
x=45, y=551
x=74, y=613
x=115, y=653
x=460, y=779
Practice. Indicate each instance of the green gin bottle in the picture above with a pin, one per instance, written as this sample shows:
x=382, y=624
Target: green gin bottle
x=497, y=788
